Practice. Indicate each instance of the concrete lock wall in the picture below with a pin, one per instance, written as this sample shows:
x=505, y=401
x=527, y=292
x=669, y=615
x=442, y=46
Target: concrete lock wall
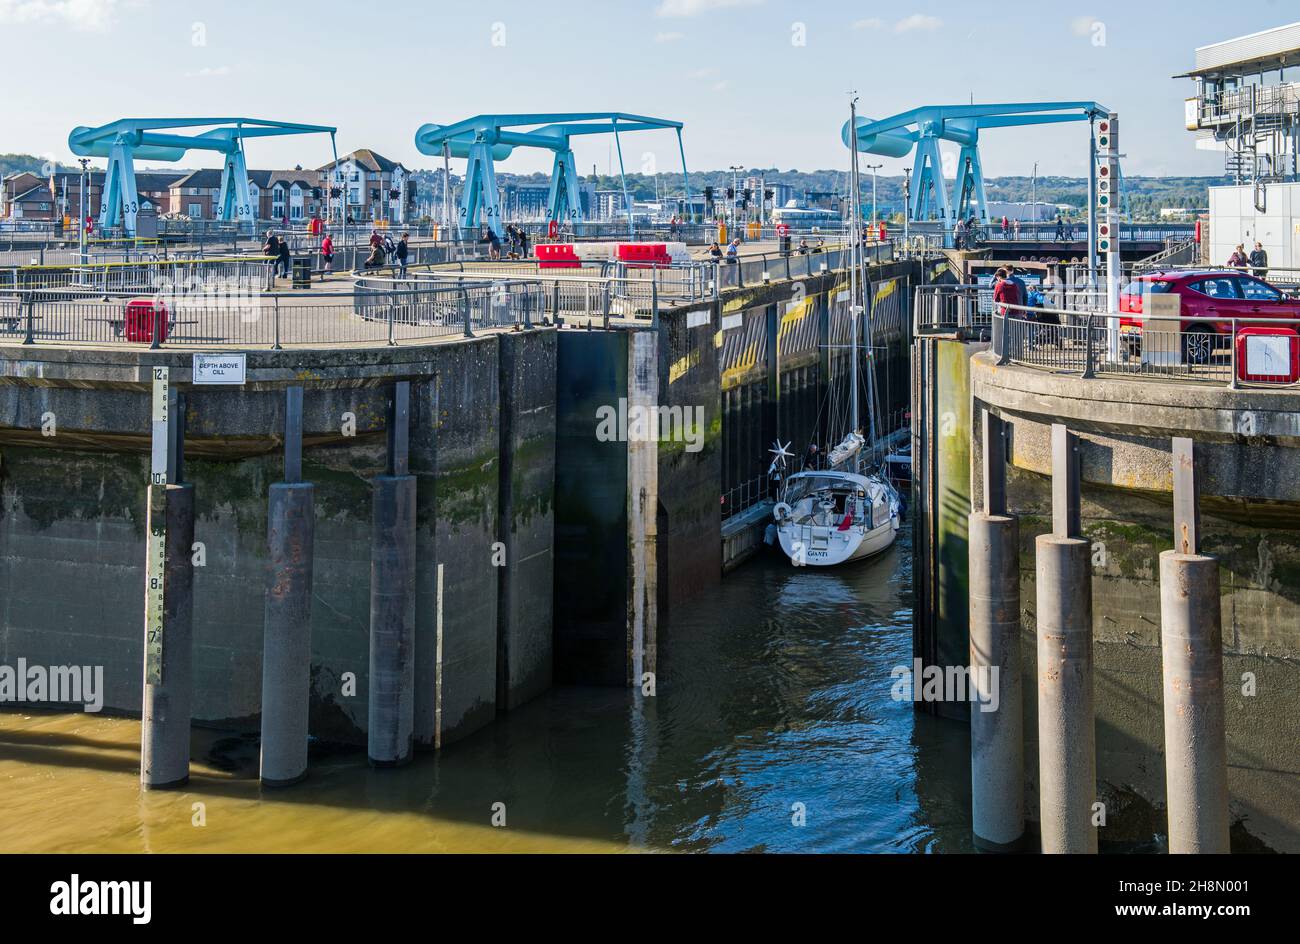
x=1248, y=464
x=72, y=512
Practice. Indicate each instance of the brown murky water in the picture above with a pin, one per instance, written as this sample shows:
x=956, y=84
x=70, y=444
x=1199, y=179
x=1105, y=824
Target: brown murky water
x=777, y=695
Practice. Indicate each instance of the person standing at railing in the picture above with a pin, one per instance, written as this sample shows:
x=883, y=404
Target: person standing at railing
x=1021, y=289
x=1006, y=228
x=1259, y=261
x=733, y=251
x=1006, y=293
x=1015, y=230
x=403, y=247
x=959, y=234
x=272, y=245
x=284, y=260
x=523, y=241
x=1238, y=258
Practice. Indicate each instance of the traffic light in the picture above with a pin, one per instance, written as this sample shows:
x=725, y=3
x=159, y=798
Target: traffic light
x=374, y=193
x=1106, y=241
x=708, y=194
x=394, y=193
x=768, y=194
x=315, y=193
x=1106, y=192
x=731, y=193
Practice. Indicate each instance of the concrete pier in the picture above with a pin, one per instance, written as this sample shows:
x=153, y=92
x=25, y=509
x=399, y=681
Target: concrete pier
x=286, y=660
x=1066, y=735
x=165, y=722
x=1196, y=767
x=392, y=622
x=996, y=718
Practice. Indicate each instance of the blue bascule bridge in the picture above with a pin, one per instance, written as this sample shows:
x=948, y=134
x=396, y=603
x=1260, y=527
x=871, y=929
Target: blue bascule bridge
x=484, y=139
x=924, y=128
x=157, y=139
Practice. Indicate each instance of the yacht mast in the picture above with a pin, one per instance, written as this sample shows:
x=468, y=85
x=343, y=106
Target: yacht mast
x=853, y=258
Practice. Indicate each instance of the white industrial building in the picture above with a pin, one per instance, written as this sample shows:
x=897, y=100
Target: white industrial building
x=1247, y=105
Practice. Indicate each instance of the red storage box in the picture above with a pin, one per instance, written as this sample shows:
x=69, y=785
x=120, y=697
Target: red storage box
x=141, y=315
x=557, y=256
x=1273, y=357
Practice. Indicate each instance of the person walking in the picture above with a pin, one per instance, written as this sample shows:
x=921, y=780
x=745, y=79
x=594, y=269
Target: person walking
x=327, y=253
x=1006, y=228
x=1259, y=261
x=403, y=248
x=959, y=234
x=493, y=242
x=523, y=241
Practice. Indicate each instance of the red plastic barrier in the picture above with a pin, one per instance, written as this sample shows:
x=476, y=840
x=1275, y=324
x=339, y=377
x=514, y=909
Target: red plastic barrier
x=557, y=256
x=1283, y=367
x=643, y=255
x=141, y=314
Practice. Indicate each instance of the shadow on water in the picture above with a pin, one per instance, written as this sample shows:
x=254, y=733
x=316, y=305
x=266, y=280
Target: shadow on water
x=774, y=704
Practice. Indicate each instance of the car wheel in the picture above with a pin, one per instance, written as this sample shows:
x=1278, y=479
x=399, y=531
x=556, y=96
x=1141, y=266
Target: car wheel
x=1198, y=344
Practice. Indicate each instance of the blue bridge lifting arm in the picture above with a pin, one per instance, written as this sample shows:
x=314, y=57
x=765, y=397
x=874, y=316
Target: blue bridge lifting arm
x=484, y=139
x=153, y=139
x=923, y=128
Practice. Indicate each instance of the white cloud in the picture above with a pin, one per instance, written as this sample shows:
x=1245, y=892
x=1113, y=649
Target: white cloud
x=917, y=21
x=707, y=73
x=1082, y=25
x=87, y=15
x=683, y=8
x=721, y=86
x=870, y=23
x=667, y=37
x=207, y=71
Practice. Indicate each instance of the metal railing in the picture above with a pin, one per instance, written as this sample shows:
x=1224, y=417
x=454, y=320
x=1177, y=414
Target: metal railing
x=1101, y=343
x=746, y=495
x=967, y=308
x=390, y=314
x=249, y=273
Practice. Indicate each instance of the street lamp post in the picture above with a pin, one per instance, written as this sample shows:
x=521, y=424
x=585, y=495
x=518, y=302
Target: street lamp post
x=1033, y=198
x=873, y=168
x=81, y=209
x=735, y=192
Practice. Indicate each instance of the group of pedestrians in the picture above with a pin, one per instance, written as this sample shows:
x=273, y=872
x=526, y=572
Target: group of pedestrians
x=516, y=242
x=384, y=251
x=1256, y=262
x=277, y=248
x=966, y=233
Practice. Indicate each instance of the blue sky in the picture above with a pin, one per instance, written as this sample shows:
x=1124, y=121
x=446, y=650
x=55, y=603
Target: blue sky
x=734, y=71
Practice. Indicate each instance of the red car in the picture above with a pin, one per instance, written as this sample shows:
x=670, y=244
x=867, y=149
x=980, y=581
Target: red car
x=1203, y=296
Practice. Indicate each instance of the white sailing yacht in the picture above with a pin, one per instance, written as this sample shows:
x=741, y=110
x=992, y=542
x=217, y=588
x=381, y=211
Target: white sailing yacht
x=844, y=512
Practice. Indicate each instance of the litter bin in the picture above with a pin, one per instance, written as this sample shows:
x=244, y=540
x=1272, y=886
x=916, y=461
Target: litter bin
x=302, y=272
x=784, y=242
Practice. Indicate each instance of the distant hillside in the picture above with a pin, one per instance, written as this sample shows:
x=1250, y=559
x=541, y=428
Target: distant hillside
x=29, y=163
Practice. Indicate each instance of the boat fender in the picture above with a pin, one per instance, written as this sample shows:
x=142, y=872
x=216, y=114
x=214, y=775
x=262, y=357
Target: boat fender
x=769, y=535
x=781, y=511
